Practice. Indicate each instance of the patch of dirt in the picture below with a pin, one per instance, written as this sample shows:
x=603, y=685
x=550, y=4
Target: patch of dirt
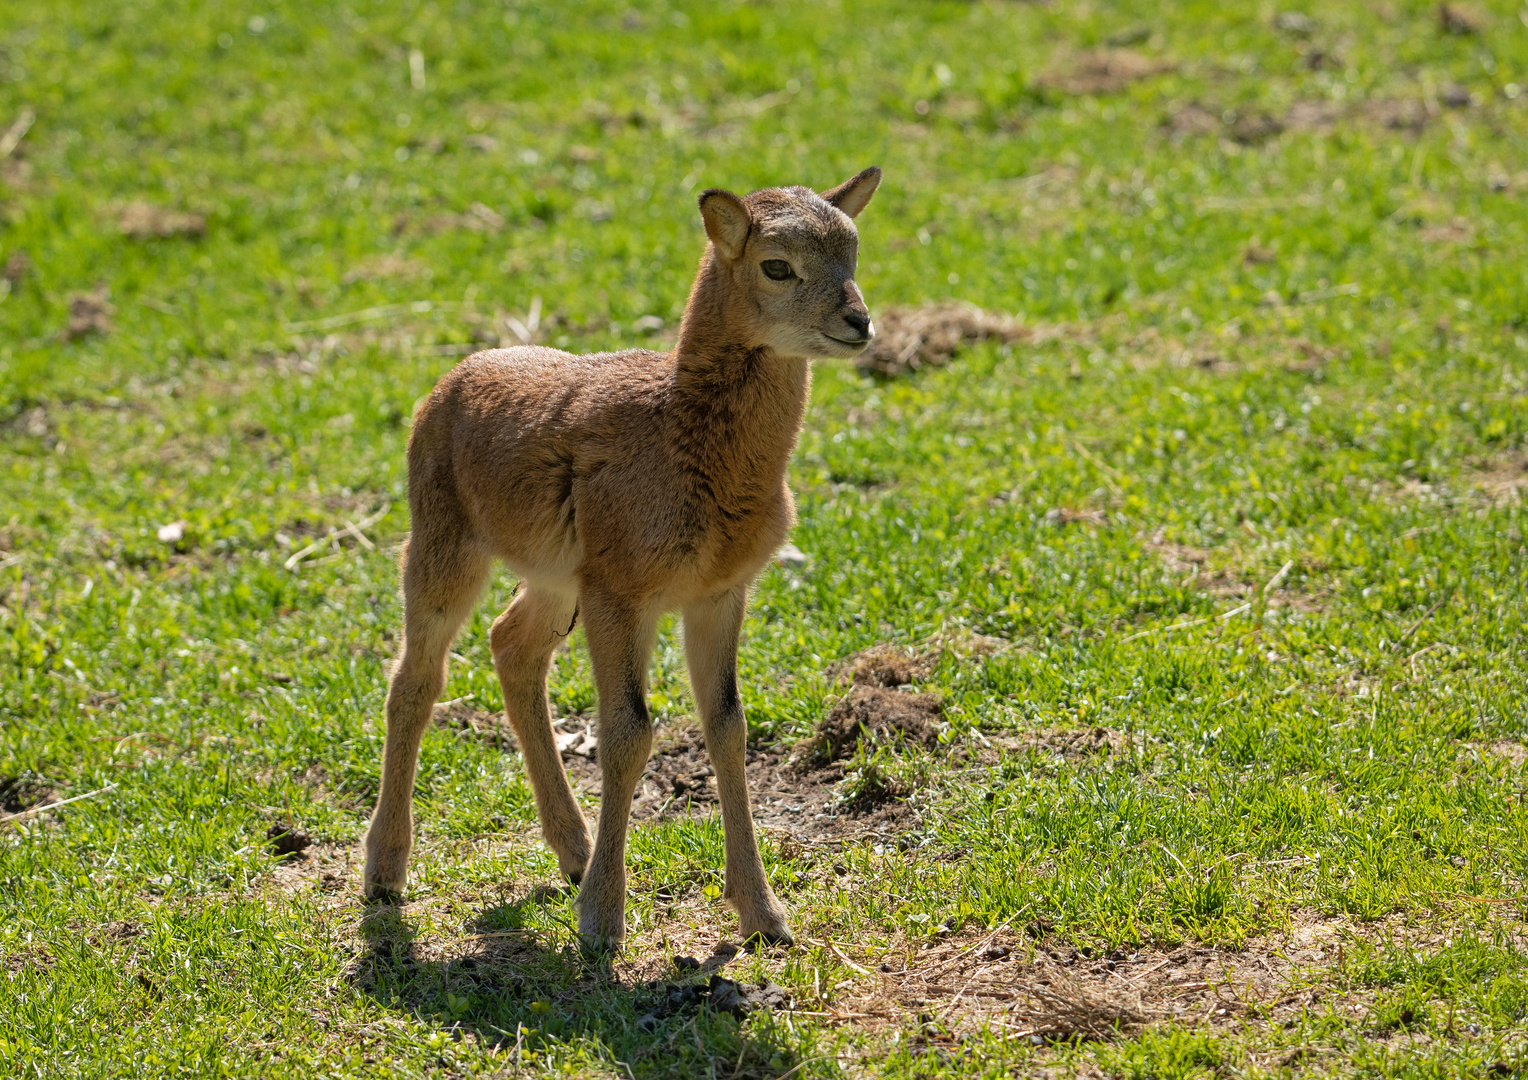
x=1399, y=114
x=1313, y=116
x=89, y=313
x=1105, y=71
x=1504, y=480
x=479, y=217
x=1250, y=127
x=882, y=716
x=910, y=339
x=144, y=221
x=1065, y=515
x=1193, y=119
x=722, y=994
x=327, y=868
x=18, y=793
x=1457, y=231
x=1068, y=744
x=1255, y=126
x=380, y=267
x=117, y=930
x=33, y=957
x=1034, y=986
x=1461, y=19
x=796, y=799
x=17, y=265
x=1514, y=753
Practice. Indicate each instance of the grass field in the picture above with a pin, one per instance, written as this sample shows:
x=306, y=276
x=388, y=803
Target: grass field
x=1216, y=566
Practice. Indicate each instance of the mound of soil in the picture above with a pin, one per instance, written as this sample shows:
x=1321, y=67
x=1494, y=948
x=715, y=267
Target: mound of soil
x=887, y=665
x=909, y=339
x=880, y=714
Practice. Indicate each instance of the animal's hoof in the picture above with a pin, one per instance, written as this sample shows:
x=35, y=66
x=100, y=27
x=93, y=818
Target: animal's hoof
x=378, y=893
x=576, y=877
x=765, y=938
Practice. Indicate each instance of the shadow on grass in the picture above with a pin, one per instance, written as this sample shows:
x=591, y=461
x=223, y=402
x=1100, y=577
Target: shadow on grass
x=510, y=988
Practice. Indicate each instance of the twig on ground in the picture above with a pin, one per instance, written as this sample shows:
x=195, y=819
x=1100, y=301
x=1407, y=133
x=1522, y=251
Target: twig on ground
x=16, y=132
x=1414, y=627
x=352, y=529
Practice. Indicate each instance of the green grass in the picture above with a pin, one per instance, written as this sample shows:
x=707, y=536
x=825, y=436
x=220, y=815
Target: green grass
x=1349, y=402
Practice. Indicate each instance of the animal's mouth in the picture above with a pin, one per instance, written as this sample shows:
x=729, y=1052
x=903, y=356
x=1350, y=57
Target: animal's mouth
x=853, y=343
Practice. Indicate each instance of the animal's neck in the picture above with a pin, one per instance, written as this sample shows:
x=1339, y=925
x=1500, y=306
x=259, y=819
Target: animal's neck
x=737, y=406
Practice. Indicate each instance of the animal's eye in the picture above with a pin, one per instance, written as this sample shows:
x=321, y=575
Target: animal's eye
x=777, y=269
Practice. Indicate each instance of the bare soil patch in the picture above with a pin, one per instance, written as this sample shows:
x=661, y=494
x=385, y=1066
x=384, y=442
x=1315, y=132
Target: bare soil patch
x=1513, y=752
x=882, y=716
x=1030, y=985
x=910, y=339
x=795, y=794
x=18, y=793
x=327, y=868
x=1105, y=71
x=89, y=313
x=144, y=221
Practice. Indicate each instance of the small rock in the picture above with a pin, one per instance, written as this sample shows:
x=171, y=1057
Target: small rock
x=686, y=963
x=995, y=952
x=791, y=557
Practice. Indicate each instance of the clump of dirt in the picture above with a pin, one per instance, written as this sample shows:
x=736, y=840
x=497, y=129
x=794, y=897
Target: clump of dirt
x=144, y=221
x=888, y=665
x=1193, y=119
x=881, y=715
x=910, y=339
x=1256, y=126
x=18, y=793
x=1105, y=71
x=89, y=313
x=722, y=994
x=288, y=840
x=1402, y=114
x=17, y=265
x=1243, y=127
x=1460, y=19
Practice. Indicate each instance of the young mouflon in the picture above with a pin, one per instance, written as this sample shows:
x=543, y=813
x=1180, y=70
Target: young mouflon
x=619, y=486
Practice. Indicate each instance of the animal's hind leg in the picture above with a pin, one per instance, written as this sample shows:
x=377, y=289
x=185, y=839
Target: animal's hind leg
x=441, y=581
x=524, y=638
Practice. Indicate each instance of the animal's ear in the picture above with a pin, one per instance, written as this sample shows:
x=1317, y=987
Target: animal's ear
x=727, y=221
x=852, y=195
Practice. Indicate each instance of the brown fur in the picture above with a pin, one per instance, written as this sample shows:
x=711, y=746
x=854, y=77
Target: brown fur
x=619, y=486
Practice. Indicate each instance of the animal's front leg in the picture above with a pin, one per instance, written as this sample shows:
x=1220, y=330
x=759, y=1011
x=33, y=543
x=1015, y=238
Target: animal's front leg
x=620, y=633
x=710, y=642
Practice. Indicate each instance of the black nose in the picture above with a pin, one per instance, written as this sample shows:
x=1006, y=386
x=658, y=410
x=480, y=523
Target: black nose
x=861, y=323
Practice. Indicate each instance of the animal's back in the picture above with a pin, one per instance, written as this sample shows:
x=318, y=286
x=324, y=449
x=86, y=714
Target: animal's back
x=505, y=434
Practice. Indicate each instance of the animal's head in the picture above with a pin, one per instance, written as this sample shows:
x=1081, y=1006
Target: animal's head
x=786, y=257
